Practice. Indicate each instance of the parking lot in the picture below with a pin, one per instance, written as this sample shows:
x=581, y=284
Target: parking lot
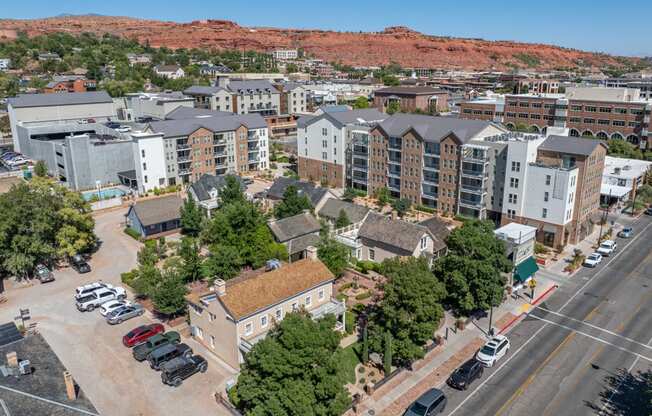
x=92, y=350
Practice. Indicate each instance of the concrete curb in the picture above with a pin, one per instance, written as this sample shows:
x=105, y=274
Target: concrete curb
x=520, y=316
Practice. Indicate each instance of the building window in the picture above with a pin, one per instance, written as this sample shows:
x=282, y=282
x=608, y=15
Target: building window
x=324, y=155
x=544, y=213
x=295, y=307
x=249, y=328
x=516, y=166
x=548, y=178
x=308, y=300
x=144, y=166
x=279, y=314
x=142, y=152
x=324, y=131
x=372, y=254
x=513, y=198
x=513, y=183
x=263, y=321
x=211, y=317
x=321, y=294
x=545, y=196
x=423, y=242
x=199, y=332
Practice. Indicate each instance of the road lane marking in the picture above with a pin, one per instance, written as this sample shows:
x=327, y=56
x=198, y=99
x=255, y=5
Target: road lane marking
x=593, y=326
x=594, y=338
x=535, y=373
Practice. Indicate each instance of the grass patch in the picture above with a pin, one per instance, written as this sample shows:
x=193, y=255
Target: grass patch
x=350, y=358
x=132, y=233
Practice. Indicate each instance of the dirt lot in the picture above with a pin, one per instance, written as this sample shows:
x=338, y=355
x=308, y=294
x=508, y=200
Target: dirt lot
x=92, y=350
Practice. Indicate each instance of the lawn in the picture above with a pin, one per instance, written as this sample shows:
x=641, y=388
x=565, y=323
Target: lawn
x=351, y=358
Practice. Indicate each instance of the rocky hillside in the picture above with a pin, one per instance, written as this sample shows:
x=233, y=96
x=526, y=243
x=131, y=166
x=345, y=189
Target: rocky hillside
x=396, y=44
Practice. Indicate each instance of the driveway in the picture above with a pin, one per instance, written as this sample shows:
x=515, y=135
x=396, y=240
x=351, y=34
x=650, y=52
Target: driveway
x=92, y=350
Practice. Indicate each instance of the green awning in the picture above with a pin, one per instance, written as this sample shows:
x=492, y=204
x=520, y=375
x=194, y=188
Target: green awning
x=525, y=269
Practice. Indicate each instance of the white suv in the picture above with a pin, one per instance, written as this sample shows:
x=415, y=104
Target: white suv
x=607, y=247
x=493, y=350
x=100, y=296
x=82, y=291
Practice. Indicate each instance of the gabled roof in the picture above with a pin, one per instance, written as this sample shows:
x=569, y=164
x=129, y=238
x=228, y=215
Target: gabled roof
x=255, y=85
x=219, y=123
x=432, y=128
x=571, y=145
x=315, y=194
x=182, y=112
x=332, y=207
x=293, y=227
x=71, y=98
x=156, y=211
x=437, y=227
x=246, y=296
x=202, y=90
x=343, y=118
x=207, y=183
x=403, y=235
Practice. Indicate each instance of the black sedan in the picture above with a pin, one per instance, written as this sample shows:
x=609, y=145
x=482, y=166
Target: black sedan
x=464, y=375
x=78, y=263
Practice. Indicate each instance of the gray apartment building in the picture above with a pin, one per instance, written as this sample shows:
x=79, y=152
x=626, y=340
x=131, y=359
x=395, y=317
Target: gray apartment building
x=238, y=96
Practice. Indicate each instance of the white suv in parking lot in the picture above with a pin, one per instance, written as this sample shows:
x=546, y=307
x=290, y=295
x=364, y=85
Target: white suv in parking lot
x=493, y=350
x=98, y=297
x=82, y=291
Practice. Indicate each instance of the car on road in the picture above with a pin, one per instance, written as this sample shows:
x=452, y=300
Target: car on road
x=167, y=352
x=429, y=403
x=43, y=274
x=78, y=263
x=85, y=290
x=140, y=352
x=125, y=313
x=607, y=247
x=493, y=350
x=98, y=297
x=112, y=305
x=593, y=259
x=464, y=375
x=626, y=232
x=175, y=371
x=141, y=334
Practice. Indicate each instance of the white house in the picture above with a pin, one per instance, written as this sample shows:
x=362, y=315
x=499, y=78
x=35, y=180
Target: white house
x=4, y=64
x=169, y=71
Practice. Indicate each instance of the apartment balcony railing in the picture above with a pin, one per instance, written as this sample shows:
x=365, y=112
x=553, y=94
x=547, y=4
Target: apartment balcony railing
x=182, y=159
x=473, y=203
x=473, y=173
x=431, y=179
x=431, y=166
x=363, y=168
x=183, y=146
x=185, y=171
x=476, y=189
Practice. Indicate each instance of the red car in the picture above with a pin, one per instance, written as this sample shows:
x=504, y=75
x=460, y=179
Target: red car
x=141, y=334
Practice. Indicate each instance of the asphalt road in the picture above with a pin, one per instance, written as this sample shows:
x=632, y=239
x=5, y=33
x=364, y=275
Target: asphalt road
x=561, y=353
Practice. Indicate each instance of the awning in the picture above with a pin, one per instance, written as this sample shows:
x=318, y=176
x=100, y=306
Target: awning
x=614, y=190
x=525, y=269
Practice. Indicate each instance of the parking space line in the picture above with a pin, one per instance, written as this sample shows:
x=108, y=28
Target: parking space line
x=592, y=326
x=594, y=338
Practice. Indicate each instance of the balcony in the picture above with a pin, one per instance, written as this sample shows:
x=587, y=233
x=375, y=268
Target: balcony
x=428, y=177
x=185, y=171
x=333, y=307
x=472, y=203
x=473, y=173
x=182, y=146
x=476, y=189
x=361, y=167
x=183, y=159
x=361, y=150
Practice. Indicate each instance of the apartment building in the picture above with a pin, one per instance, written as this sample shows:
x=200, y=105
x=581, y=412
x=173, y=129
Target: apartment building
x=5, y=64
x=641, y=84
x=426, y=99
x=157, y=106
x=605, y=113
x=538, y=86
x=70, y=83
x=231, y=317
x=285, y=54
x=293, y=98
x=323, y=141
x=238, y=96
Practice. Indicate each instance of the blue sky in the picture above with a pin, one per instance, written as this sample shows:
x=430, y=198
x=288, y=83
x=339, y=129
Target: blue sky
x=595, y=25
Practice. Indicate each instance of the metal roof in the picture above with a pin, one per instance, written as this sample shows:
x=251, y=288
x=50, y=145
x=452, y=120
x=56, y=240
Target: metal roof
x=49, y=100
x=571, y=145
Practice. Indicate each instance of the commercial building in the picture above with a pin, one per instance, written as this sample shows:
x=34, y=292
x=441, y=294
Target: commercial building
x=409, y=99
x=148, y=106
x=605, y=113
x=622, y=178
x=538, y=86
x=644, y=85
x=238, y=96
x=231, y=317
x=519, y=246
x=70, y=83
x=323, y=141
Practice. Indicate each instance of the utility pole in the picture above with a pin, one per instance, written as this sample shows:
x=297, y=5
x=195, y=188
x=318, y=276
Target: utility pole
x=605, y=214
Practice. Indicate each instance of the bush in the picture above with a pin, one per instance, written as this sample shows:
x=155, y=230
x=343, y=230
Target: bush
x=233, y=395
x=358, y=308
x=424, y=208
x=363, y=295
x=132, y=233
x=341, y=297
x=540, y=249
x=273, y=165
x=349, y=321
x=128, y=277
x=345, y=286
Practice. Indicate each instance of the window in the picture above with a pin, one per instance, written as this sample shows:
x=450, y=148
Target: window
x=324, y=155
x=516, y=166
x=295, y=307
x=144, y=166
x=423, y=242
x=263, y=321
x=308, y=300
x=548, y=178
x=211, y=317
x=545, y=196
x=321, y=294
x=324, y=143
x=199, y=332
x=372, y=254
x=513, y=198
x=145, y=179
x=513, y=182
x=279, y=314
x=511, y=213
x=324, y=131
x=544, y=213
x=142, y=152
x=249, y=328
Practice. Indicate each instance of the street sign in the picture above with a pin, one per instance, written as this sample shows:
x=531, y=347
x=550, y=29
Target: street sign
x=532, y=284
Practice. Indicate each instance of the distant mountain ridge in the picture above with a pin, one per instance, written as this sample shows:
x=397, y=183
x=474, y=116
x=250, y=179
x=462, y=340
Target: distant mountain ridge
x=394, y=44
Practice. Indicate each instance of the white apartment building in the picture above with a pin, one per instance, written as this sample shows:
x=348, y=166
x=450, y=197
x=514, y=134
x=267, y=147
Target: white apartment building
x=149, y=161
x=169, y=71
x=285, y=54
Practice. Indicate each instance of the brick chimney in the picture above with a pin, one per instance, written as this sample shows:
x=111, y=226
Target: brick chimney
x=219, y=287
x=12, y=359
x=70, y=385
x=311, y=252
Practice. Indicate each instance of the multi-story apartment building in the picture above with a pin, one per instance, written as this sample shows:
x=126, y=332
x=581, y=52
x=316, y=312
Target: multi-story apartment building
x=231, y=317
x=70, y=83
x=538, y=86
x=409, y=99
x=156, y=106
x=293, y=99
x=285, y=54
x=642, y=84
x=323, y=142
x=238, y=96
x=605, y=113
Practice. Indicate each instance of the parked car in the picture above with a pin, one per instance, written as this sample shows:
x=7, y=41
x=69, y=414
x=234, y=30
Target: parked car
x=167, y=352
x=43, y=274
x=140, y=352
x=78, y=263
x=648, y=211
x=493, y=350
x=626, y=232
x=463, y=376
x=175, y=371
x=85, y=290
x=141, y=334
x=607, y=247
x=125, y=313
x=98, y=297
x=593, y=260
x=429, y=403
x=112, y=305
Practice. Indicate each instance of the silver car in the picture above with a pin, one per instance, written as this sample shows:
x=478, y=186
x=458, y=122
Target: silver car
x=124, y=313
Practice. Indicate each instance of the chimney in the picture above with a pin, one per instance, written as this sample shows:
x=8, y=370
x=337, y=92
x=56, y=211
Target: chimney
x=222, y=81
x=311, y=252
x=12, y=359
x=70, y=385
x=219, y=287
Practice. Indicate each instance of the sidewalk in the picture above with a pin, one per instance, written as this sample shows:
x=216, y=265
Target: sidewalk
x=432, y=371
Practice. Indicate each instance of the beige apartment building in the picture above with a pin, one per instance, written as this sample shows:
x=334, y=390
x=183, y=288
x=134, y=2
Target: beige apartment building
x=238, y=96
x=232, y=316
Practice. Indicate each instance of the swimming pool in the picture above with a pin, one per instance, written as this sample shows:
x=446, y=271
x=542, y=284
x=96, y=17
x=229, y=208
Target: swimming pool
x=107, y=193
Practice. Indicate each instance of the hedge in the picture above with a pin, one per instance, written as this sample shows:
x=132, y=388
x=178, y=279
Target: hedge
x=132, y=233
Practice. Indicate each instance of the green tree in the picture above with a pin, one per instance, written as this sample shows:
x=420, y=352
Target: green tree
x=295, y=371
x=334, y=255
x=349, y=194
x=40, y=169
x=402, y=206
x=232, y=191
x=148, y=255
x=145, y=279
x=192, y=264
x=387, y=354
x=360, y=103
x=621, y=148
x=293, y=203
x=169, y=294
x=393, y=107
x=342, y=219
x=365, y=345
x=390, y=81
x=382, y=195
x=191, y=217
x=410, y=309
x=224, y=262
x=472, y=270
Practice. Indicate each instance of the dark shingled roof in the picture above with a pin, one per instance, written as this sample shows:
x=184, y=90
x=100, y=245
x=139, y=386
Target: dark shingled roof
x=354, y=212
x=279, y=186
x=437, y=227
x=208, y=182
x=186, y=126
x=292, y=227
x=396, y=233
x=71, y=98
x=433, y=129
x=202, y=90
x=301, y=243
x=571, y=145
x=342, y=118
x=156, y=211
